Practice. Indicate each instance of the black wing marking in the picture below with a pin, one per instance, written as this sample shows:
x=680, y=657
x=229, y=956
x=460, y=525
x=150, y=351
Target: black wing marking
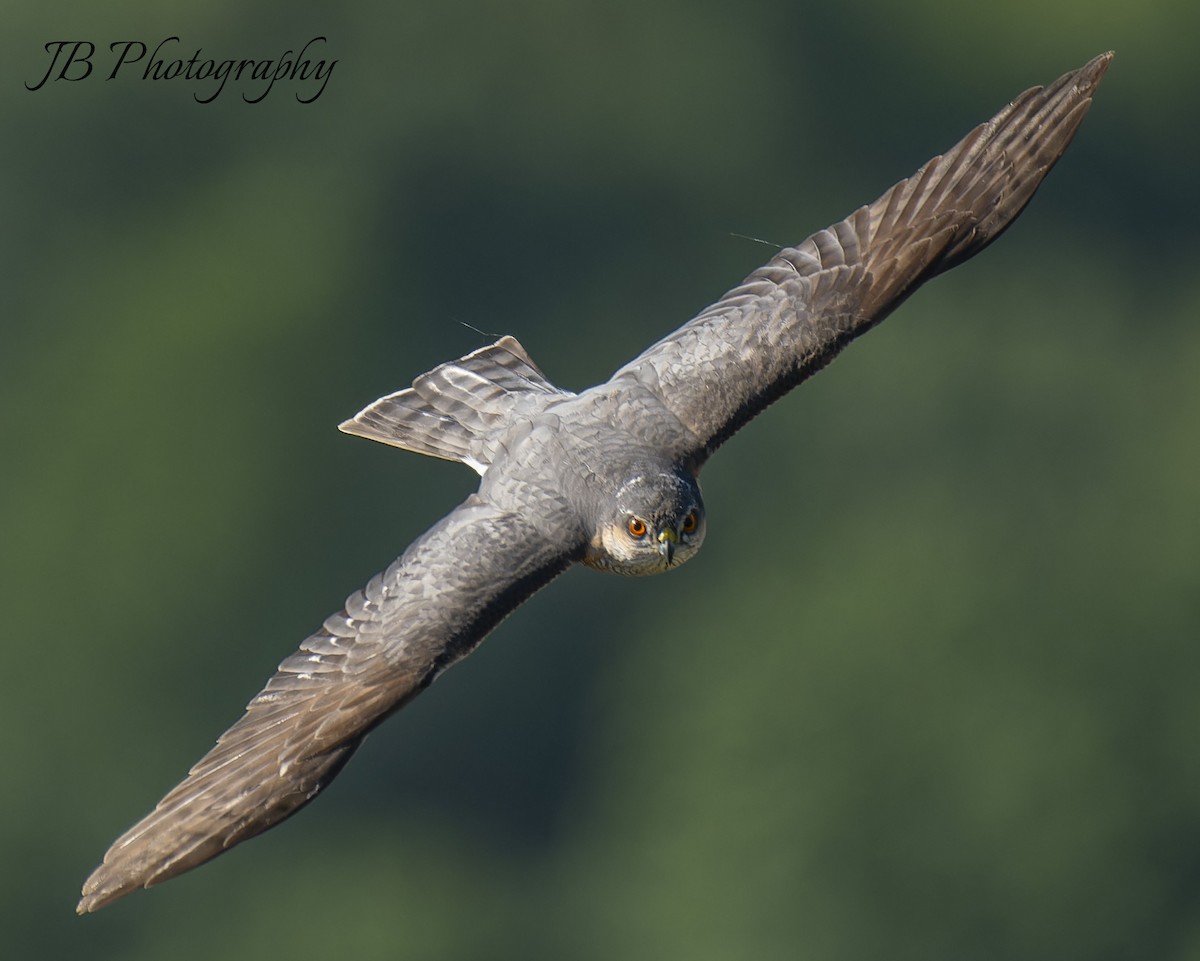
x=789, y=318
x=428, y=609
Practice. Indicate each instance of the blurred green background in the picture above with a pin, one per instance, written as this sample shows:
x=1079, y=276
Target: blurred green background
x=930, y=691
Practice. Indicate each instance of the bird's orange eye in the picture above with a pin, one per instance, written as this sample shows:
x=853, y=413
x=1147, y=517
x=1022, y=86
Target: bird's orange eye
x=637, y=527
x=689, y=523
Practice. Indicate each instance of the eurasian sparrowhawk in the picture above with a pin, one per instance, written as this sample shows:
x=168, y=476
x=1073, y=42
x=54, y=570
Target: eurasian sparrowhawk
x=607, y=477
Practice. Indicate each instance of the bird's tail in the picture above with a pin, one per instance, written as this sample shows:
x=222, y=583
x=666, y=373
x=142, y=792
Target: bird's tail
x=458, y=410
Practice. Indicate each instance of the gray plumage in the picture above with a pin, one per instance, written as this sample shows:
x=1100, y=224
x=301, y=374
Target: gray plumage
x=607, y=477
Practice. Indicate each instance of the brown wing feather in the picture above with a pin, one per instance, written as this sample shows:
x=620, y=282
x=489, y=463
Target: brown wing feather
x=790, y=317
x=430, y=608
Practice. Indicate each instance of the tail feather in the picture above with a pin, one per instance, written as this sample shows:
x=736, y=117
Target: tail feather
x=458, y=410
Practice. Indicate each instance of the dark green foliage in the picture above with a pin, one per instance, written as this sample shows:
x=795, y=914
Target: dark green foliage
x=929, y=691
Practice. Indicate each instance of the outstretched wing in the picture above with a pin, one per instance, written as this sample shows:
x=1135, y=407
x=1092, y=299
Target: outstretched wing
x=789, y=318
x=428, y=609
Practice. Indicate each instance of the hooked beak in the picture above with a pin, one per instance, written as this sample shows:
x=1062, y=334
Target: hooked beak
x=667, y=542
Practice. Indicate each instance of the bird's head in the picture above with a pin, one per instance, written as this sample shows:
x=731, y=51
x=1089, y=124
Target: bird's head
x=654, y=521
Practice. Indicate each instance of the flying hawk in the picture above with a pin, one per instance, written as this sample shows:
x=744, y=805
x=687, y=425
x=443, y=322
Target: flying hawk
x=606, y=477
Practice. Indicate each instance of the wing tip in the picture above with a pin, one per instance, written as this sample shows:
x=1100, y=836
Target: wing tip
x=101, y=889
x=1086, y=79
x=1095, y=69
x=1081, y=83
x=90, y=903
